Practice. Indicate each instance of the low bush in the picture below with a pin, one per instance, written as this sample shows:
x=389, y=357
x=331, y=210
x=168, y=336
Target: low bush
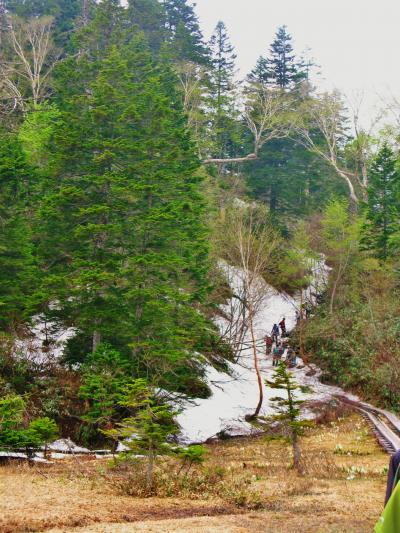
x=128, y=476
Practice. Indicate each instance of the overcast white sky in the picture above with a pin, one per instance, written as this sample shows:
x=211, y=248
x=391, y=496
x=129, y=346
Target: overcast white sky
x=355, y=42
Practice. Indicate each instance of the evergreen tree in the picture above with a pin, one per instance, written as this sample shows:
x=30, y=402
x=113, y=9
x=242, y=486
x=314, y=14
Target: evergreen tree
x=17, y=273
x=260, y=73
x=222, y=91
x=122, y=239
x=223, y=62
x=283, y=68
x=149, y=17
x=382, y=209
x=186, y=39
x=290, y=180
x=108, y=27
x=15, y=433
x=289, y=409
x=149, y=427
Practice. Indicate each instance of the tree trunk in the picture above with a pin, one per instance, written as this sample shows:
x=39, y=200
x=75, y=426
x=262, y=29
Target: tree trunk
x=352, y=193
x=257, y=369
x=333, y=295
x=85, y=12
x=273, y=198
x=226, y=161
x=296, y=454
x=150, y=471
x=96, y=340
x=301, y=325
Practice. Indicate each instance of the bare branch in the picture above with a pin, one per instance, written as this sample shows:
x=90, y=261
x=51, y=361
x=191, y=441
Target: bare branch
x=250, y=157
x=266, y=115
x=27, y=60
x=325, y=115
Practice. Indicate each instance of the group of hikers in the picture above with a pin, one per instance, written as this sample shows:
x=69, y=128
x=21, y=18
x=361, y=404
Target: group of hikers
x=277, y=345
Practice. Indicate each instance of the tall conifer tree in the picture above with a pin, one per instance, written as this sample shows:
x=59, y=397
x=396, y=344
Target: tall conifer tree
x=122, y=238
x=285, y=175
x=222, y=87
x=284, y=70
x=187, y=43
x=383, y=209
x=260, y=74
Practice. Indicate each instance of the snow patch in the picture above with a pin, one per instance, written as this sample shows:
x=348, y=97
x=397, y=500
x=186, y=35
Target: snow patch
x=235, y=395
x=67, y=446
x=45, y=343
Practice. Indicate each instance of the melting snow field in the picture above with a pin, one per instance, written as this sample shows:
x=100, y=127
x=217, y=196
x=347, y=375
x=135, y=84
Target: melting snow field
x=233, y=397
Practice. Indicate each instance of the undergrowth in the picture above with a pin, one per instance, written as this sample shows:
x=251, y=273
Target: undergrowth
x=128, y=477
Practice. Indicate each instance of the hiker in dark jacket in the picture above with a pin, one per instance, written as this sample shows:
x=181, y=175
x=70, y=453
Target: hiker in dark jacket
x=282, y=325
x=275, y=333
x=394, y=465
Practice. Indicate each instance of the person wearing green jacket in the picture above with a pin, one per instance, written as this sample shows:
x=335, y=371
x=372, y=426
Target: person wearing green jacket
x=389, y=522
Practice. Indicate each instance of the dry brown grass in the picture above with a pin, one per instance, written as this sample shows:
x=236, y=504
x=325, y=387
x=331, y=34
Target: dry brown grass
x=72, y=494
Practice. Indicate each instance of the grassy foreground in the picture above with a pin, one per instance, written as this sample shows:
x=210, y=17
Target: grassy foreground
x=342, y=491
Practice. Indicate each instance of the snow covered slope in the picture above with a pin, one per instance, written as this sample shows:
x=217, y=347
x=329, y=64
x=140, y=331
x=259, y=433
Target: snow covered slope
x=234, y=397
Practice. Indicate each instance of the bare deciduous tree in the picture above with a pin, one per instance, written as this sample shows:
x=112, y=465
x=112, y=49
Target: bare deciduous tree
x=266, y=115
x=326, y=115
x=248, y=244
x=27, y=59
x=192, y=80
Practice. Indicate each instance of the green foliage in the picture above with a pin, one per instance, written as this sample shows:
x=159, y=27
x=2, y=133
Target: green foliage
x=192, y=455
x=16, y=433
x=151, y=421
x=17, y=271
x=104, y=374
x=65, y=13
x=383, y=207
x=184, y=34
x=150, y=424
x=36, y=132
x=12, y=410
x=357, y=346
x=44, y=429
x=289, y=406
x=296, y=268
x=223, y=114
x=354, y=334
x=126, y=210
x=103, y=221
x=341, y=235
x=289, y=178
x=283, y=70
x=149, y=17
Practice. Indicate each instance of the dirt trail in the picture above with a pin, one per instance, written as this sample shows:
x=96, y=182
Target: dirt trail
x=249, y=523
